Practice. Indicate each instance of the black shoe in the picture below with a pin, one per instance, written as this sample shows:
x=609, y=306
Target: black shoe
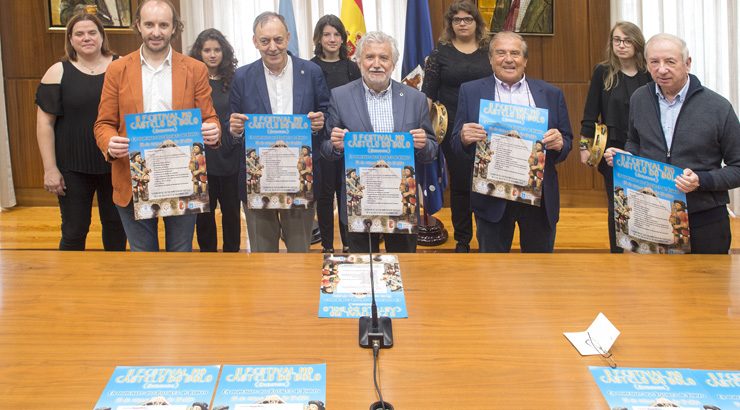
x=462, y=248
x=327, y=250
x=345, y=249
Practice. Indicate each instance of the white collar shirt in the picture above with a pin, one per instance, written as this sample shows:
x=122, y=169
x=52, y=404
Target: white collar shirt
x=156, y=83
x=280, y=88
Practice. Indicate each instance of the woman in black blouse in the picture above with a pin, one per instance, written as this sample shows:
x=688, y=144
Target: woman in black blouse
x=212, y=48
x=330, y=53
x=612, y=84
x=460, y=56
x=74, y=168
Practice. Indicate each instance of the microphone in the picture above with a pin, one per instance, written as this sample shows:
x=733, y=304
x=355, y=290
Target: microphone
x=375, y=332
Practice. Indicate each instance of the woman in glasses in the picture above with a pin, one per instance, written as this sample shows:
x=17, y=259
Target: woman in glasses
x=461, y=56
x=612, y=84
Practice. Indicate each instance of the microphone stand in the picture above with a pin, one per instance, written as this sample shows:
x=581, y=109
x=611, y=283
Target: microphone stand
x=375, y=332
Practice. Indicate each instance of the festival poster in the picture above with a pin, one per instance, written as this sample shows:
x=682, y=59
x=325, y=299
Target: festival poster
x=722, y=386
x=650, y=389
x=345, y=286
x=275, y=387
x=650, y=213
x=152, y=388
x=381, y=182
x=168, y=163
x=279, y=162
x=511, y=163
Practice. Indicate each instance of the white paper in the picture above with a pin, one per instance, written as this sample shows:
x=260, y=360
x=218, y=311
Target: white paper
x=603, y=333
x=382, y=192
x=355, y=278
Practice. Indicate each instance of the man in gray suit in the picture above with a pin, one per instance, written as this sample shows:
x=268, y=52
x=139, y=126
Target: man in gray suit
x=375, y=103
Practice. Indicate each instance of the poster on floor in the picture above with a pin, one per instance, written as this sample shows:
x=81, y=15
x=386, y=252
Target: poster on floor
x=381, y=182
x=650, y=213
x=345, y=286
x=168, y=163
x=161, y=387
x=511, y=163
x=279, y=161
x=279, y=387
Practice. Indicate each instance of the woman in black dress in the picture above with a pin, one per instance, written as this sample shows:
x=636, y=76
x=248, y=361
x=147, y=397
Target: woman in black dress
x=212, y=48
x=330, y=53
x=74, y=168
x=612, y=84
x=460, y=56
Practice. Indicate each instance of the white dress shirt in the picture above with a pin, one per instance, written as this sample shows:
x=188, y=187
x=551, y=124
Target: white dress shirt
x=280, y=88
x=156, y=84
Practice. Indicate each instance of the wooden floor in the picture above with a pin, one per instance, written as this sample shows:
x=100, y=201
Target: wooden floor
x=579, y=230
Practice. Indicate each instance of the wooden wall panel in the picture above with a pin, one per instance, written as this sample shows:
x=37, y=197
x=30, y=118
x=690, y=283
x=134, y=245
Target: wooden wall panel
x=29, y=49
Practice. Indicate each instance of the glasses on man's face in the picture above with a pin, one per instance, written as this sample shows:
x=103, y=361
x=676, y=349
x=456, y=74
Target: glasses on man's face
x=461, y=20
x=626, y=41
x=604, y=353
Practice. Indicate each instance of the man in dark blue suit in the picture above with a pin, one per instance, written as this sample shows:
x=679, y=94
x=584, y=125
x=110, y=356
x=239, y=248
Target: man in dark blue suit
x=376, y=103
x=496, y=218
x=277, y=83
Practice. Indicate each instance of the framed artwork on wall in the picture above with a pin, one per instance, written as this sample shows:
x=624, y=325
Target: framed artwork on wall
x=526, y=17
x=114, y=14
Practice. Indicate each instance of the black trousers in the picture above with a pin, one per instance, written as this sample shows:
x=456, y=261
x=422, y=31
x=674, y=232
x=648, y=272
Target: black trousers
x=607, y=172
x=331, y=178
x=76, y=210
x=535, y=234
x=394, y=242
x=711, y=238
x=225, y=190
x=462, y=215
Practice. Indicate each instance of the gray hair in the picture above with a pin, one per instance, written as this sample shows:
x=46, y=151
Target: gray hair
x=677, y=41
x=508, y=34
x=263, y=18
x=378, y=37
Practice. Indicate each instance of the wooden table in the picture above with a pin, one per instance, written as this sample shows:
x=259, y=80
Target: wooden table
x=484, y=331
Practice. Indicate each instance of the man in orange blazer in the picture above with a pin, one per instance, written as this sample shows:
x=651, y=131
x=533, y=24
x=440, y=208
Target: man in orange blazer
x=153, y=78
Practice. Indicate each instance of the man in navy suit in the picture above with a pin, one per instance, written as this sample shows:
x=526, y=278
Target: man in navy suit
x=277, y=83
x=495, y=218
x=375, y=103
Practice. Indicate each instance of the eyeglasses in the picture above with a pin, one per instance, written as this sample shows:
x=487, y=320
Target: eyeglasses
x=604, y=353
x=626, y=41
x=460, y=20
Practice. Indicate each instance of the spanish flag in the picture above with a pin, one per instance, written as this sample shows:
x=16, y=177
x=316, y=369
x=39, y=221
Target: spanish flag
x=353, y=19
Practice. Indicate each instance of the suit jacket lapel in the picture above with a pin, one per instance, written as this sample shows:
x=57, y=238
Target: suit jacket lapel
x=300, y=84
x=538, y=94
x=179, y=80
x=261, y=82
x=133, y=69
x=399, y=106
x=361, y=106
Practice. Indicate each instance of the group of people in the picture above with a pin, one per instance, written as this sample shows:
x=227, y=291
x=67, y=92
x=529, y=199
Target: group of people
x=642, y=92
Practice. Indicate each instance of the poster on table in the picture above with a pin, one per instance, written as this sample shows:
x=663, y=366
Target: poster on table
x=278, y=160
x=722, y=387
x=345, y=286
x=165, y=387
x=655, y=388
x=168, y=163
x=275, y=387
x=380, y=180
x=511, y=163
x=650, y=213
